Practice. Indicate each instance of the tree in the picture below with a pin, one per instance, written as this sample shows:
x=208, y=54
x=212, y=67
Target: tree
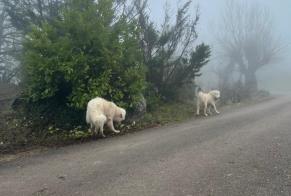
x=247, y=41
x=91, y=50
x=170, y=54
x=9, y=40
x=17, y=18
x=24, y=13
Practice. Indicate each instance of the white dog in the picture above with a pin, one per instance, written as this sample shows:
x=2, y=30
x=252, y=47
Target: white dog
x=207, y=98
x=101, y=111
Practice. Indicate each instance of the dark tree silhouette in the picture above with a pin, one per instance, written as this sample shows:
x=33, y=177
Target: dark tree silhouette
x=246, y=39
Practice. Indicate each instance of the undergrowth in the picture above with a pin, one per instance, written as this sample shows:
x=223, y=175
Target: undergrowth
x=17, y=132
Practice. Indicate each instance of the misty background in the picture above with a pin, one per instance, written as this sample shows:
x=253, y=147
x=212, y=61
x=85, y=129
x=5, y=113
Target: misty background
x=275, y=77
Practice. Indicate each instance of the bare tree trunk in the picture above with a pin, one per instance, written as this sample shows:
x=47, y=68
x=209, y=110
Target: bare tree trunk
x=251, y=83
x=246, y=36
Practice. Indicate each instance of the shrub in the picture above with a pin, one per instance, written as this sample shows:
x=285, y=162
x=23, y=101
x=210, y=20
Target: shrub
x=89, y=51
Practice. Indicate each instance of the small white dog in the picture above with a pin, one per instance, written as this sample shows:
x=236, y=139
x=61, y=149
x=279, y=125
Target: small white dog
x=207, y=98
x=101, y=111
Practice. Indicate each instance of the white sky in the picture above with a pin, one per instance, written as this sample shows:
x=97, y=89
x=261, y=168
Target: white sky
x=210, y=12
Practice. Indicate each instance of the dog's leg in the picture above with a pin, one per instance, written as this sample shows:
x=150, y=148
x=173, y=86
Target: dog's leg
x=96, y=130
x=197, y=107
x=111, y=126
x=209, y=110
x=102, y=130
x=99, y=128
x=205, y=108
x=214, y=106
x=91, y=127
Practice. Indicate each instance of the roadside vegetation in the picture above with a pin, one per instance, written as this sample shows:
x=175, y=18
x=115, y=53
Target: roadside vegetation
x=59, y=54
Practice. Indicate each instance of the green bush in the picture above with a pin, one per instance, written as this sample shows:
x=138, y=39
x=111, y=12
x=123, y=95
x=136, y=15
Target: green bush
x=89, y=51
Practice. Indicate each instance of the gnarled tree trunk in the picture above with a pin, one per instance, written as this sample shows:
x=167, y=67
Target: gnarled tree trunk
x=251, y=83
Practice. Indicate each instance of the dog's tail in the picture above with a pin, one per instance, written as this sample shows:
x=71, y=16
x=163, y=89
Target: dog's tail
x=198, y=90
x=87, y=116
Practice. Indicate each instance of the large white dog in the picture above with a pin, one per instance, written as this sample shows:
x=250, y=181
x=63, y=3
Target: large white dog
x=100, y=112
x=206, y=99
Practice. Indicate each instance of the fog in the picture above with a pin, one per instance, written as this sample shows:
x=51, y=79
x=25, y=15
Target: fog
x=274, y=77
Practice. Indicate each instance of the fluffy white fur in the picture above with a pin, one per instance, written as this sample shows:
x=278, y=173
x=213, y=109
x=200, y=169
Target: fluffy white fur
x=100, y=112
x=206, y=99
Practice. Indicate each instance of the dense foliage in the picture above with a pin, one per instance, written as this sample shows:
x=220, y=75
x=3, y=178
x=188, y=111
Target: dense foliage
x=89, y=51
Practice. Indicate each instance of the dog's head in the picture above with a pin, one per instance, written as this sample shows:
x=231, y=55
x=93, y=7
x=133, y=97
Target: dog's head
x=120, y=114
x=215, y=94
